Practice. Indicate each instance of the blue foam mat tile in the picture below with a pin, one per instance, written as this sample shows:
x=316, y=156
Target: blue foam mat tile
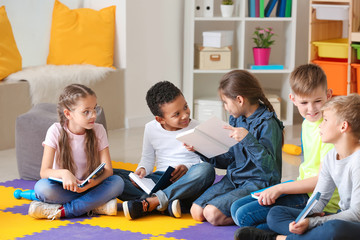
x=79, y=231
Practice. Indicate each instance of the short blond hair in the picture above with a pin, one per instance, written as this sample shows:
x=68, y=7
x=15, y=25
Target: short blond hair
x=347, y=108
x=305, y=79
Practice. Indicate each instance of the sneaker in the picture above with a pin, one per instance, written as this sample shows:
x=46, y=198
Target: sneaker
x=252, y=233
x=109, y=208
x=44, y=210
x=135, y=208
x=174, y=208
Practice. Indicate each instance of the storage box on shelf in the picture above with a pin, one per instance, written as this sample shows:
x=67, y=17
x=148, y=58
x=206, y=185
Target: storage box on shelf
x=200, y=81
x=336, y=73
x=210, y=58
x=205, y=108
x=332, y=27
x=275, y=101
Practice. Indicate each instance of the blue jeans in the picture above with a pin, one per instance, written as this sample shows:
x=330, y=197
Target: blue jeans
x=280, y=217
x=77, y=204
x=248, y=212
x=189, y=187
x=222, y=195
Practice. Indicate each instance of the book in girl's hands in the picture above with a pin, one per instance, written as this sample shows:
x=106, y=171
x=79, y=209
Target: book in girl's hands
x=149, y=186
x=311, y=204
x=209, y=138
x=257, y=197
x=97, y=170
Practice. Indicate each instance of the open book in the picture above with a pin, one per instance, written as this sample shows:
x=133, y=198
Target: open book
x=149, y=186
x=257, y=197
x=311, y=204
x=97, y=170
x=210, y=138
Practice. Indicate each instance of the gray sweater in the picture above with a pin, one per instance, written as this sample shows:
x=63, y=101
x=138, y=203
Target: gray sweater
x=345, y=175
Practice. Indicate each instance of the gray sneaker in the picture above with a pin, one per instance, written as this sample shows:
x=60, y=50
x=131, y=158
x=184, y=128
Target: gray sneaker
x=39, y=209
x=109, y=208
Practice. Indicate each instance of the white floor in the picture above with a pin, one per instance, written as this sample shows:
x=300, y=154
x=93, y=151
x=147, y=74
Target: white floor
x=126, y=145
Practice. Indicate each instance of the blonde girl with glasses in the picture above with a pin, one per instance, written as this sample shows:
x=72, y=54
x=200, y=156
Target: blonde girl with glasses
x=73, y=148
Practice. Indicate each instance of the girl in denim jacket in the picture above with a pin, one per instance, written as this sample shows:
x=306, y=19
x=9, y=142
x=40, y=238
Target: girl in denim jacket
x=253, y=163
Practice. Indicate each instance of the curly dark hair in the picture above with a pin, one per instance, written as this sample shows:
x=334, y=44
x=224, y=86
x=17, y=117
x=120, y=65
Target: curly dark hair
x=159, y=94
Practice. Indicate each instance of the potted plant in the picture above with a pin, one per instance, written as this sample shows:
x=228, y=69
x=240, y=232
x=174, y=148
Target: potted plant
x=263, y=41
x=227, y=8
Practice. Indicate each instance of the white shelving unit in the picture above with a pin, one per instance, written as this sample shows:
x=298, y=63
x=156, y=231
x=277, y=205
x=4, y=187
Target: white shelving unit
x=204, y=83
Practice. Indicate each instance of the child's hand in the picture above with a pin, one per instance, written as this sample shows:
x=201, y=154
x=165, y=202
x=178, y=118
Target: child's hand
x=237, y=133
x=141, y=172
x=179, y=171
x=189, y=148
x=70, y=182
x=300, y=227
x=268, y=196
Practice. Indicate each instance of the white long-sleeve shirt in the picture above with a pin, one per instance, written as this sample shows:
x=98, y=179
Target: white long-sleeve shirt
x=345, y=175
x=161, y=148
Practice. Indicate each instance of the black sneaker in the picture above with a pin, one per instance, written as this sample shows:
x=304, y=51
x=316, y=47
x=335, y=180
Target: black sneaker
x=252, y=233
x=174, y=208
x=135, y=208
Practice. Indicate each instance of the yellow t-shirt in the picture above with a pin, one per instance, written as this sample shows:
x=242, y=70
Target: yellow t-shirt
x=314, y=151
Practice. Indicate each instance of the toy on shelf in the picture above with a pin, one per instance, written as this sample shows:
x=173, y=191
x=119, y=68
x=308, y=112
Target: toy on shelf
x=291, y=149
x=28, y=194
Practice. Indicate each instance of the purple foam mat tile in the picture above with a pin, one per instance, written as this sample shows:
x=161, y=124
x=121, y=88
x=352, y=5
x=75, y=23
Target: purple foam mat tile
x=78, y=231
x=19, y=183
x=218, y=178
x=204, y=231
x=22, y=209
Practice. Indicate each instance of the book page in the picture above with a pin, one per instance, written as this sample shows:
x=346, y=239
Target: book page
x=214, y=127
x=202, y=143
x=145, y=184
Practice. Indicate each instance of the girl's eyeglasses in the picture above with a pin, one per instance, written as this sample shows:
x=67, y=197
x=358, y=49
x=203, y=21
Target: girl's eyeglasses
x=87, y=113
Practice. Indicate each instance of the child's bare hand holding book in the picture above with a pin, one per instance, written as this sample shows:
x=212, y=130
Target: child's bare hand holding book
x=237, y=133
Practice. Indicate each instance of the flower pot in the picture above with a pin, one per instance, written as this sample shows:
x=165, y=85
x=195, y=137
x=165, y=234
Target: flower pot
x=261, y=56
x=227, y=10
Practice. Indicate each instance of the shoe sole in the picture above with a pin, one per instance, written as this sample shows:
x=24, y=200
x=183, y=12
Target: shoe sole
x=176, y=209
x=126, y=210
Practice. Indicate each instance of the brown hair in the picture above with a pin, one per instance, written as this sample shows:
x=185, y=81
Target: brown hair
x=67, y=100
x=347, y=108
x=305, y=79
x=243, y=83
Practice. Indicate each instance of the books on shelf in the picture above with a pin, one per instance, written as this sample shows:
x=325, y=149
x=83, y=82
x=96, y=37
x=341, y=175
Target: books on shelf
x=149, y=186
x=261, y=8
x=258, y=191
x=210, y=138
x=267, y=67
x=280, y=10
x=311, y=204
x=269, y=7
x=92, y=175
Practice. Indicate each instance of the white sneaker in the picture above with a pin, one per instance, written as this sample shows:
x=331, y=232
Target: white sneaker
x=39, y=209
x=109, y=208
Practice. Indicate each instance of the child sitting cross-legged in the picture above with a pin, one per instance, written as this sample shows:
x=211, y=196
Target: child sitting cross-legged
x=340, y=169
x=191, y=176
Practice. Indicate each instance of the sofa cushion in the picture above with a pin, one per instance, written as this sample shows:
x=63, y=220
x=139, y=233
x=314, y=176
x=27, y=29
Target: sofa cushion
x=10, y=58
x=82, y=36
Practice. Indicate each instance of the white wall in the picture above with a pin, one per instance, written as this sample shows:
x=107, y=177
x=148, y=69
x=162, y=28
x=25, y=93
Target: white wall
x=154, y=45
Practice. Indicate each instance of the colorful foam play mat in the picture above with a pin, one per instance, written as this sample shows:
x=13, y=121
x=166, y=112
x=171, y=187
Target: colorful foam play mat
x=16, y=224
